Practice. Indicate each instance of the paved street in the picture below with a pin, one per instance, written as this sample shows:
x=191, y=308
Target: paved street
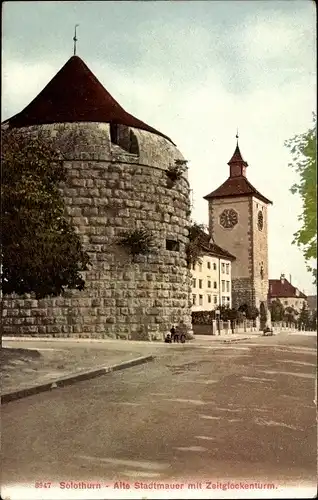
x=226, y=412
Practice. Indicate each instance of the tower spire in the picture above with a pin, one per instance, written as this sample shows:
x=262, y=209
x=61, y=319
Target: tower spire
x=75, y=39
x=236, y=163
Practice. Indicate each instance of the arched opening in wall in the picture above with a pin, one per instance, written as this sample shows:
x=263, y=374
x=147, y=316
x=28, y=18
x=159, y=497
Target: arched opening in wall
x=124, y=137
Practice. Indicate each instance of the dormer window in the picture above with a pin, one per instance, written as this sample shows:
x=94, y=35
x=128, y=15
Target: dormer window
x=124, y=137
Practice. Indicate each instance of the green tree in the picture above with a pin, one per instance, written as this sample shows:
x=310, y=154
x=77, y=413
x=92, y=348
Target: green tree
x=313, y=320
x=251, y=312
x=303, y=150
x=290, y=315
x=277, y=310
x=304, y=316
x=194, y=249
x=41, y=253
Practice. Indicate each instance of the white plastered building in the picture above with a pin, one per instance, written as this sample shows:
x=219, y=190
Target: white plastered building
x=211, y=277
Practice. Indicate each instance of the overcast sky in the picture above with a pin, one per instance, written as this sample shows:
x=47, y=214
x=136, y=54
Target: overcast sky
x=195, y=71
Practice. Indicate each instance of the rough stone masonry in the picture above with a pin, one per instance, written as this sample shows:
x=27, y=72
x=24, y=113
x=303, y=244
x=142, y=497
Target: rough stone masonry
x=109, y=192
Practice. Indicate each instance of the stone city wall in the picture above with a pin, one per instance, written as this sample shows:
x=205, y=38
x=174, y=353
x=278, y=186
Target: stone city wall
x=109, y=192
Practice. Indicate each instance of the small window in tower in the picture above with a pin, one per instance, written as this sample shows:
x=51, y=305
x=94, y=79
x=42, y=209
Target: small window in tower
x=124, y=137
x=134, y=148
x=172, y=245
x=260, y=221
x=114, y=133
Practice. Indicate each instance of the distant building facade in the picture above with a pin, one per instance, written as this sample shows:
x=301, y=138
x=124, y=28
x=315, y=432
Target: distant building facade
x=288, y=295
x=211, y=277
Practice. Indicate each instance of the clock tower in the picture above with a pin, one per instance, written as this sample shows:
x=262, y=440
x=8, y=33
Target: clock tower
x=238, y=222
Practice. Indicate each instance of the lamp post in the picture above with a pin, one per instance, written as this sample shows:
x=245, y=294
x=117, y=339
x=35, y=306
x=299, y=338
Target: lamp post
x=217, y=314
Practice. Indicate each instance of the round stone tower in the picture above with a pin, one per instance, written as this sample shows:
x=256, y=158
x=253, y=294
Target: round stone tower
x=117, y=182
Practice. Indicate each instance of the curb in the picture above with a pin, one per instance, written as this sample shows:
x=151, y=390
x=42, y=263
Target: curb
x=236, y=340
x=73, y=378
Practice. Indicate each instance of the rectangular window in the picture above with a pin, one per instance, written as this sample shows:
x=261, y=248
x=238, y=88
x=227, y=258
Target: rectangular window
x=193, y=267
x=200, y=283
x=227, y=286
x=200, y=300
x=215, y=285
x=223, y=267
x=172, y=245
x=214, y=266
x=215, y=299
x=209, y=265
x=194, y=283
x=227, y=268
x=209, y=299
x=223, y=301
x=194, y=300
x=209, y=284
x=223, y=285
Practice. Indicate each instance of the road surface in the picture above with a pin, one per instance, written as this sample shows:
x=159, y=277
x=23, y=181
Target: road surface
x=226, y=412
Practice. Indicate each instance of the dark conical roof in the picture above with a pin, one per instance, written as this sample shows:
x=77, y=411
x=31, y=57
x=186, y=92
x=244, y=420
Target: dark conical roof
x=75, y=95
x=237, y=157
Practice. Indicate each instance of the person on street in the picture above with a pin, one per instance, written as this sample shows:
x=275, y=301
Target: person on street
x=168, y=338
x=174, y=334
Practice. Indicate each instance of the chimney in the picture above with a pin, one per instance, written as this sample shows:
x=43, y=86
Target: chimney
x=290, y=278
x=282, y=278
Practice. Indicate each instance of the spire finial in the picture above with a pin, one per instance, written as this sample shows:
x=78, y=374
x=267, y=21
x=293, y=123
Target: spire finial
x=237, y=134
x=75, y=39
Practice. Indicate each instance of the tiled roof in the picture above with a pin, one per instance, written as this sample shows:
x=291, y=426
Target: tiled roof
x=75, y=95
x=236, y=186
x=282, y=288
x=208, y=246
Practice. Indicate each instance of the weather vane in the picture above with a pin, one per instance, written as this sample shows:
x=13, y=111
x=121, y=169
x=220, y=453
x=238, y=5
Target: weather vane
x=75, y=39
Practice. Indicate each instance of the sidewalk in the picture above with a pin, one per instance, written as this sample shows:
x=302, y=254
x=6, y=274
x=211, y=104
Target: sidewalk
x=30, y=362
x=24, y=366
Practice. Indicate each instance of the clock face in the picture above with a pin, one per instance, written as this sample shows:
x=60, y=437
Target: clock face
x=228, y=218
x=260, y=221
